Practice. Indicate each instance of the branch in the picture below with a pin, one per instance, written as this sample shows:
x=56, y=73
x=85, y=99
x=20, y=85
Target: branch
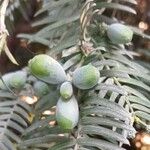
x=2, y=16
x=4, y=33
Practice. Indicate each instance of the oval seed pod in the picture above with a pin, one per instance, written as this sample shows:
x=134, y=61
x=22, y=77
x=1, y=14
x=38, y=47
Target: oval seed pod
x=41, y=88
x=18, y=79
x=86, y=77
x=6, y=79
x=119, y=33
x=47, y=69
x=66, y=90
x=67, y=113
x=14, y=80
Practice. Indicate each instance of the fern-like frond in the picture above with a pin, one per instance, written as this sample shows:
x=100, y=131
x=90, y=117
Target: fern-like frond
x=16, y=9
x=13, y=5
x=14, y=119
x=62, y=22
x=107, y=111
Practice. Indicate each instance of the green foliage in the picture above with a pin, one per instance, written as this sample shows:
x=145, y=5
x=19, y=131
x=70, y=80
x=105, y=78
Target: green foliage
x=106, y=112
x=16, y=9
x=62, y=25
x=6, y=79
x=14, y=119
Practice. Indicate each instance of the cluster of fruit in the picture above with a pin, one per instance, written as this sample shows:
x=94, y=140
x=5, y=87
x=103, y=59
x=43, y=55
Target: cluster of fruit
x=50, y=71
x=86, y=77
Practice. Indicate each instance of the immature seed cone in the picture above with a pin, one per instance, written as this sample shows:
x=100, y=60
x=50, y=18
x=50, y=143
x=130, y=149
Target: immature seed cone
x=41, y=88
x=86, y=77
x=119, y=33
x=66, y=90
x=14, y=80
x=67, y=113
x=18, y=79
x=6, y=79
x=47, y=69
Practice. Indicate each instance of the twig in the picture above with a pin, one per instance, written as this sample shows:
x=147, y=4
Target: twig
x=2, y=16
x=4, y=33
x=3, y=30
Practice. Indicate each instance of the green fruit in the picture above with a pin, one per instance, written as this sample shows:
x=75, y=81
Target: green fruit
x=18, y=79
x=47, y=69
x=86, y=77
x=67, y=113
x=14, y=80
x=119, y=33
x=66, y=90
x=41, y=88
x=6, y=79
